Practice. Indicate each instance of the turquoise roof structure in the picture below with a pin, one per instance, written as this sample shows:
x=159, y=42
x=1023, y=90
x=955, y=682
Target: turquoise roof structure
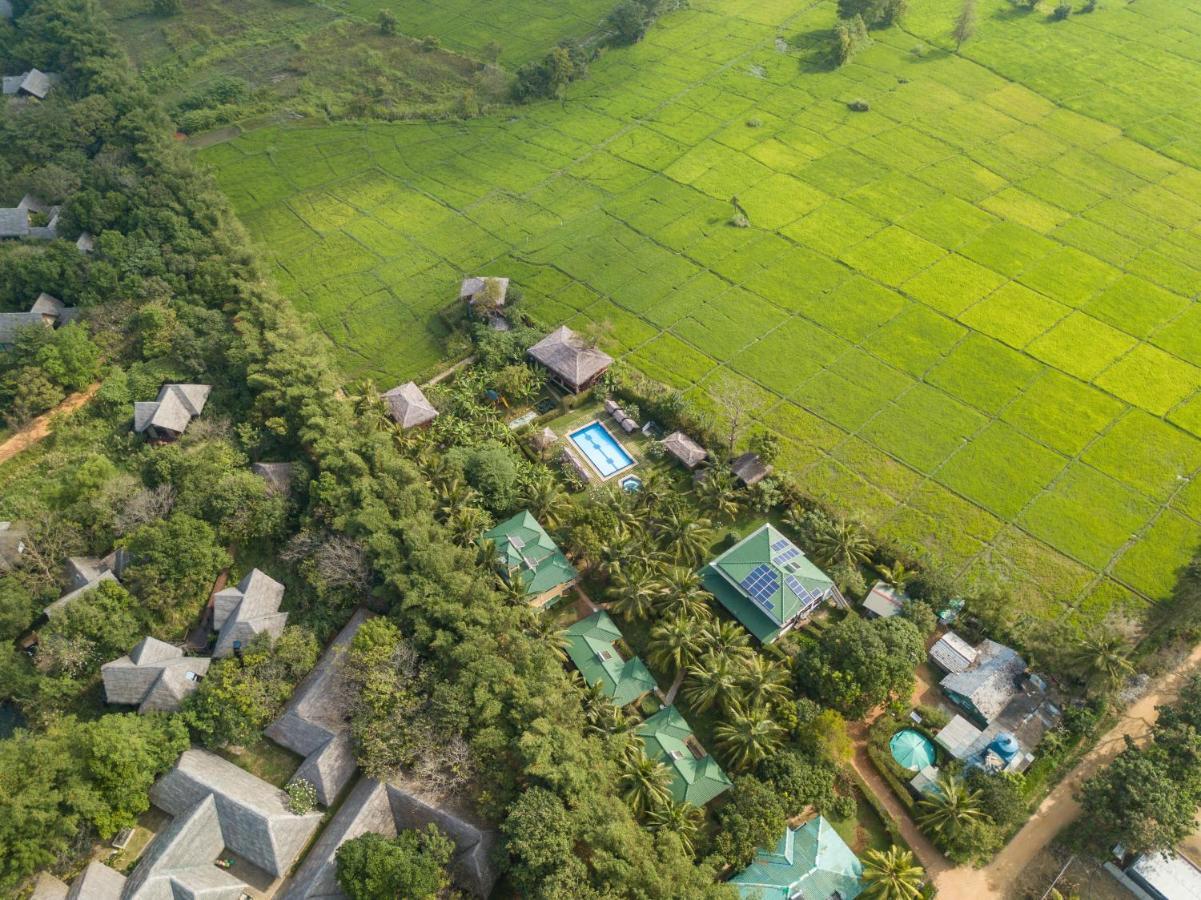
x=590, y=644
x=766, y=582
x=810, y=862
x=526, y=550
x=696, y=776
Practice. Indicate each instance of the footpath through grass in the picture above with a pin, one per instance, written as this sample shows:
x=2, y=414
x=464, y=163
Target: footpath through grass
x=970, y=311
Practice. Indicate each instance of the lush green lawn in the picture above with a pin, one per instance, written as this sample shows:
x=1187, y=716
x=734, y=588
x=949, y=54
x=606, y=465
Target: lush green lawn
x=970, y=311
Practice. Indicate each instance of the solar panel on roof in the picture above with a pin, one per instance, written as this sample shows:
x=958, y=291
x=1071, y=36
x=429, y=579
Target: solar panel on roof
x=789, y=554
x=761, y=585
x=779, y=545
x=517, y=541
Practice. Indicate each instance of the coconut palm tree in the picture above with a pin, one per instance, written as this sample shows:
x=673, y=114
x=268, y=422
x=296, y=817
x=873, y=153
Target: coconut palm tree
x=646, y=782
x=1102, y=659
x=712, y=681
x=632, y=593
x=762, y=681
x=892, y=874
x=368, y=406
x=599, y=711
x=842, y=544
x=726, y=637
x=467, y=523
x=748, y=736
x=681, y=819
x=678, y=590
x=898, y=575
x=547, y=632
x=514, y=589
x=685, y=535
x=950, y=807
x=675, y=645
x=546, y=499
x=718, y=492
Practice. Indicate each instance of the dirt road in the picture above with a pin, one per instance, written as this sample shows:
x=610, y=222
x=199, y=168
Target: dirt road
x=1060, y=809
x=40, y=427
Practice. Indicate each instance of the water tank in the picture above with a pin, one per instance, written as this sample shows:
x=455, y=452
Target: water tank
x=1006, y=746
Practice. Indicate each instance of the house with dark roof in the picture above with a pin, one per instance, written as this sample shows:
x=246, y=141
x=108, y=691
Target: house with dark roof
x=246, y=611
x=84, y=573
x=154, y=676
x=46, y=312
x=315, y=723
x=168, y=416
x=525, y=552
x=572, y=362
x=34, y=83
x=767, y=583
x=811, y=861
x=387, y=808
x=408, y=406
x=695, y=775
x=597, y=649
x=685, y=449
x=749, y=469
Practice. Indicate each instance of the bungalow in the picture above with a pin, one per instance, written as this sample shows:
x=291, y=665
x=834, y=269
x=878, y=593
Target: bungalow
x=155, y=676
x=246, y=611
x=168, y=416
x=85, y=573
x=46, y=311
x=593, y=645
x=984, y=688
x=408, y=407
x=390, y=807
x=525, y=551
x=749, y=469
x=34, y=83
x=884, y=601
x=572, y=362
x=696, y=777
x=811, y=861
x=767, y=583
x=314, y=724
x=685, y=449
x=217, y=810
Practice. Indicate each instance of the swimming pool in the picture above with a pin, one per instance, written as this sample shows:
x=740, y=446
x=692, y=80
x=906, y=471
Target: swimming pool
x=912, y=749
x=601, y=449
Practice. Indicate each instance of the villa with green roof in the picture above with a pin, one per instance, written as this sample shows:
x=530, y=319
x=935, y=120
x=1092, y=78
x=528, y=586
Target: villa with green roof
x=696, y=776
x=525, y=551
x=592, y=644
x=767, y=583
x=812, y=862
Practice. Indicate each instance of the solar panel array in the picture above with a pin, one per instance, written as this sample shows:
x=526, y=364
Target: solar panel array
x=803, y=593
x=779, y=545
x=789, y=554
x=761, y=585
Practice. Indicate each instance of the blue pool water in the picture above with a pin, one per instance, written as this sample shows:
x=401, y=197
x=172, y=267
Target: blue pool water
x=632, y=483
x=601, y=449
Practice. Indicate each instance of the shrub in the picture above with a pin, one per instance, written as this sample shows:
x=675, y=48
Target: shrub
x=859, y=106
x=1061, y=12
x=302, y=796
x=386, y=20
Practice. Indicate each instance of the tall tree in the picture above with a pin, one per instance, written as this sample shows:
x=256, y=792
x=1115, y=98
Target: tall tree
x=951, y=808
x=892, y=874
x=748, y=736
x=646, y=782
x=965, y=25
x=674, y=646
x=412, y=864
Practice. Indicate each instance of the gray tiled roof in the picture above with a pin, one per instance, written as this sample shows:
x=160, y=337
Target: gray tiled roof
x=175, y=406
x=408, y=405
x=12, y=323
x=14, y=221
x=250, y=609
x=749, y=469
x=567, y=355
x=990, y=682
x=155, y=676
x=38, y=83
x=97, y=882
x=685, y=449
x=47, y=887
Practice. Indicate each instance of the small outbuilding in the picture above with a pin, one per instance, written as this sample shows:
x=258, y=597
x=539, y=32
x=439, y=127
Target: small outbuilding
x=571, y=361
x=685, y=449
x=34, y=83
x=749, y=469
x=408, y=406
x=155, y=676
x=884, y=601
x=242, y=613
x=952, y=654
x=168, y=416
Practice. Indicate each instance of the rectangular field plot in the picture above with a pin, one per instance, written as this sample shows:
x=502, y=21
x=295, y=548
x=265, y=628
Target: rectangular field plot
x=970, y=312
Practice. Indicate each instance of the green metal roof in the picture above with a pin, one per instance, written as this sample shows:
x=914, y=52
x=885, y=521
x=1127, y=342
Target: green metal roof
x=697, y=781
x=590, y=646
x=812, y=862
x=524, y=547
x=789, y=585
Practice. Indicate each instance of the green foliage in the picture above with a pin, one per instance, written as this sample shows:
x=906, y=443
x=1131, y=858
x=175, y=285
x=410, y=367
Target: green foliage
x=538, y=834
x=238, y=698
x=42, y=365
x=492, y=469
x=875, y=13
x=174, y=562
x=629, y=21
x=800, y=782
x=965, y=25
x=77, y=778
x=1061, y=11
x=753, y=817
x=386, y=21
x=166, y=7
x=550, y=76
x=99, y=625
x=302, y=796
x=892, y=874
x=412, y=864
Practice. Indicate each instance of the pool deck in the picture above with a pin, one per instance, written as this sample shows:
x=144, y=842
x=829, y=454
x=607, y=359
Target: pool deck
x=576, y=450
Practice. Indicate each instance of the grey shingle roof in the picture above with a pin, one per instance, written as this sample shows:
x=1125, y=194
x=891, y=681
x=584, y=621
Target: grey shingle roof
x=991, y=680
x=379, y=808
x=250, y=609
x=97, y=882
x=48, y=305
x=14, y=221
x=66, y=599
x=408, y=405
x=179, y=862
x=38, y=83
x=685, y=449
x=749, y=469
x=567, y=355
x=255, y=820
x=155, y=676
x=471, y=288
x=314, y=723
x=175, y=406
x=11, y=323
x=47, y=887
x=85, y=243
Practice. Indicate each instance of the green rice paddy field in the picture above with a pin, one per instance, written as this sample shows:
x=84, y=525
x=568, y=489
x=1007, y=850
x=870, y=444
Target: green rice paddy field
x=969, y=311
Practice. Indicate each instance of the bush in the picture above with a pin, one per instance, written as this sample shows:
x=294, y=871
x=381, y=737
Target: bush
x=629, y=21
x=302, y=796
x=859, y=106
x=1061, y=12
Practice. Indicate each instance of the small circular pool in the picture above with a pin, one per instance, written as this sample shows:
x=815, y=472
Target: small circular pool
x=912, y=749
x=631, y=483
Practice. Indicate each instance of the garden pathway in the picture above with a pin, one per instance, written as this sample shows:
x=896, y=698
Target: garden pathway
x=40, y=427
x=1060, y=808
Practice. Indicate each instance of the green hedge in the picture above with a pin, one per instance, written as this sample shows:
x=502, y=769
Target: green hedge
x=886, y=772
x=890, y=824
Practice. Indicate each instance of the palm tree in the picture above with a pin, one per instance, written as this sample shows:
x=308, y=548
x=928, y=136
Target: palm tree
x=599, y=711
x=546, y=499
x=546, y=631
x=748, y=736
x=678, y=590
x=1102, y=658
x=514, y=589
x=368, y=406
x=762, y=681
x=682, y=819
x=685, y=535
x=467, y=523
x=674, y=646
x=726, y=637
x=898, y=575
x=842, y=543
x=633, y=593
x=892, y=874
x=950, y=807
x=718, y=492
x=713, y=681
x=646, y=782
